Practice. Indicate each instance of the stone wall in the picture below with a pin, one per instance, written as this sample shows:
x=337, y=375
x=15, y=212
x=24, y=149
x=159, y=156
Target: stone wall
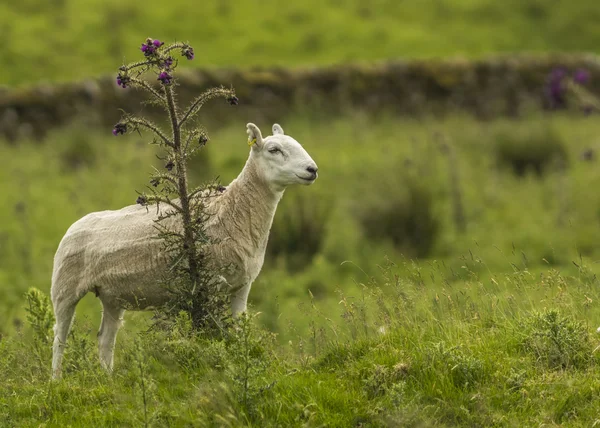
x=507, y=85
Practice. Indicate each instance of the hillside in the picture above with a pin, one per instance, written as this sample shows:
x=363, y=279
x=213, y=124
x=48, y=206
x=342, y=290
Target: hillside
x=63, y=40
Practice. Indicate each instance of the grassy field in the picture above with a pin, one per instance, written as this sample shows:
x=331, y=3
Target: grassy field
x=62, y=40
x=439, y=272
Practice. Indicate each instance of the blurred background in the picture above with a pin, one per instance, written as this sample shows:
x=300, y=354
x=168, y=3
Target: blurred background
x=451, y=135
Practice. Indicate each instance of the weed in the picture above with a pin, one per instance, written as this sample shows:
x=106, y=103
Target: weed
x=556, y=341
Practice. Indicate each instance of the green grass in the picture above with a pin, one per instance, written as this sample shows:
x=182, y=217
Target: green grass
x=475, y=353
x=67, y=39
x=491, y=327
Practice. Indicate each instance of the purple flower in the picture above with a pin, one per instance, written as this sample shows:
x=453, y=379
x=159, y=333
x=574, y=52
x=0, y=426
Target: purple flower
x=233, y=100
x=188, y=52
x=119, y=129
x=141, y=200
x=555, y=88
x=168, y=63
x=123, y=80
x=149, y=48
x=165, y=78
x=581, y=76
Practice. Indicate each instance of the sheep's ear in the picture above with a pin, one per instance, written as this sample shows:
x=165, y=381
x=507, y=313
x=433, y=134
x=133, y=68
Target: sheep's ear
x=277, y=130
x=255, y=139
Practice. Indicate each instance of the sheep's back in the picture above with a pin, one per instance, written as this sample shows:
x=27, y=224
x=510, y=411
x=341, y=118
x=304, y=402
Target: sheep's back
x=116, y=254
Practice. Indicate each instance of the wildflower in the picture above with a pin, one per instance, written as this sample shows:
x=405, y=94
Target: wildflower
x=188, y=52
x=233, y=100
x=203, y=139
x=165, y=78
x=142, y=200
x=169, y=165
x=148, y=50
x=123, y=80
x=155, y=181
x=168, y=63
x=555, y=88
x=581, y=76
x=120, y=128
x=150, y=47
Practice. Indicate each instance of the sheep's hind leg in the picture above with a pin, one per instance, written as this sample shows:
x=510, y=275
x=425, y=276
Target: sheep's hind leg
x=239, y=300
x=112, y=318
x=64, y=310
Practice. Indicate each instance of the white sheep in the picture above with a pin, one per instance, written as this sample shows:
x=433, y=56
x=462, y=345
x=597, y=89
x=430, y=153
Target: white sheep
x=116, y=254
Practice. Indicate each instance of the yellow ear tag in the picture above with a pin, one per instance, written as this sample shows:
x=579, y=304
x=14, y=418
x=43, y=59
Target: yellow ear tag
x=251, y=142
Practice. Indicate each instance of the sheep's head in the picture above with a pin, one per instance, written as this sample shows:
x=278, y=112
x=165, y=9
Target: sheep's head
x=281, y=160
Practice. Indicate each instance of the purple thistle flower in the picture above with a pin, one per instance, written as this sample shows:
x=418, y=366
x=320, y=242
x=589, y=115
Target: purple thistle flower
x=149, y=48
x=188, y=52
x=168, y=63
x=581, y=76
x=165, y=78
x=141, y=200
x=157, y=43
x=233, y=100
x=123, y=80
x=119, y=129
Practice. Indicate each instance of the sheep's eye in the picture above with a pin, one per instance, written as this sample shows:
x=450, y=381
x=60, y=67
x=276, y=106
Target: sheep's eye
x=275, y=150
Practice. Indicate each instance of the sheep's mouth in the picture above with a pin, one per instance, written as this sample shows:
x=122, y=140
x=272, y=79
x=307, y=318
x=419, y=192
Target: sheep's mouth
x=307, y=179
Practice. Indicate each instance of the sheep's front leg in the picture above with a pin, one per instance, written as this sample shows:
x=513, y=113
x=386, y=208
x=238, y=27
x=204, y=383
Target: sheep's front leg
x=239, y=299
x=112, y=318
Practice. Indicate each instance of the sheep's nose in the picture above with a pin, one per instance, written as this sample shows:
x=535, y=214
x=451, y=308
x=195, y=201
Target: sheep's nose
x=312, y=169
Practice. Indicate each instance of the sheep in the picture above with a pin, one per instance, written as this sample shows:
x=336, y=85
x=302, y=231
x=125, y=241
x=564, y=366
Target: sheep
x=115, y=253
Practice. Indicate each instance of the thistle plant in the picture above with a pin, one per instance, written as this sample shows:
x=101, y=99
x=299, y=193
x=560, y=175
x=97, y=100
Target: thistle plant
x=190, y=275
x=562, y=87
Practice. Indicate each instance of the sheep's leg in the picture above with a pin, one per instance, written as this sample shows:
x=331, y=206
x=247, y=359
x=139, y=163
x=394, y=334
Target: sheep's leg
x=112, y=319
x=239, y=300
x=63, y=312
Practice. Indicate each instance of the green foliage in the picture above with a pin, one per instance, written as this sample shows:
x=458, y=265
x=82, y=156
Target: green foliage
x=534, y=149
x=483, y=332
x=79, y=151
x=298, y=231
x=250, y=356
x=463, y=369
x=94, y=34
x=380, y=379
x=399, y=208
x=39, y=316
x=556, y=341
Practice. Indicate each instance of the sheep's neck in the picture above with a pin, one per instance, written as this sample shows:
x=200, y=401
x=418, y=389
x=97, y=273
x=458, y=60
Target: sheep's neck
x=250, y=210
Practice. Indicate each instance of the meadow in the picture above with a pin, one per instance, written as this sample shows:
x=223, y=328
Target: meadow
x=62, y=40
x=441, y=271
